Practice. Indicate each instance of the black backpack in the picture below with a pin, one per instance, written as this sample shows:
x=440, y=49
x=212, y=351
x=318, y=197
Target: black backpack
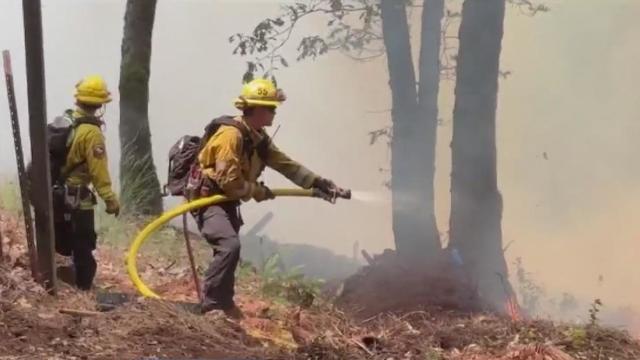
x=59, y=138
x=59, y=133
x=183, y=155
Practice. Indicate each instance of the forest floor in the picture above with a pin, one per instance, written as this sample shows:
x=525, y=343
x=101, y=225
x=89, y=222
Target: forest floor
x=379, y=313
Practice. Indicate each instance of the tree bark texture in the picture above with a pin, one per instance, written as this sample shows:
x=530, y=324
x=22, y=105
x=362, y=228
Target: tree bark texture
x=139, y=184
x=476, y=208
x=414, y=226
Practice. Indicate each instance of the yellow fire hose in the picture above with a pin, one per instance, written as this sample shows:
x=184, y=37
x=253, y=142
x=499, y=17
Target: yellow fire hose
x=130, y=260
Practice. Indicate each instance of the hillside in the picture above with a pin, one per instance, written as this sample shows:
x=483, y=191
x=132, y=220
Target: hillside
x=278, y=322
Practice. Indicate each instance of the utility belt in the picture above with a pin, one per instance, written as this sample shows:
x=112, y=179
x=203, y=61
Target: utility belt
x=67, y=198
x=200, y=186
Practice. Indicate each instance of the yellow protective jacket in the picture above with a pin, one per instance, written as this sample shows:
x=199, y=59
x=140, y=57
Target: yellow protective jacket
x=88, y=149
x=236, y=172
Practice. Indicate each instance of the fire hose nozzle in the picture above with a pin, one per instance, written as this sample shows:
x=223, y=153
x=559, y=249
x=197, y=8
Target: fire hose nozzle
x=343, y=193
x=333, y=195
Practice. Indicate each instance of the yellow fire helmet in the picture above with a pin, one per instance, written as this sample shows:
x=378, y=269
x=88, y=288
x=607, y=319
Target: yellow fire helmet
x=259, y=92
x=92, y=90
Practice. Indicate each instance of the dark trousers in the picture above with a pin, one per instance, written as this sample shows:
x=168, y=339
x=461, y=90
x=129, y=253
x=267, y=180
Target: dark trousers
x=76, y=237
x=219, y=224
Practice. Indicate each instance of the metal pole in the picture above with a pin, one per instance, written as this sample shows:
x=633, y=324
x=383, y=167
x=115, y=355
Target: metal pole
x=22, y=176
x=41, y=185
x=194, y=271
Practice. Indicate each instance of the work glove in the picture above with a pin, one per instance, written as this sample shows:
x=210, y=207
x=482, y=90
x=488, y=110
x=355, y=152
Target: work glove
x=262, y=193
x=324, y=196
x=113, y=207
x=325, y=185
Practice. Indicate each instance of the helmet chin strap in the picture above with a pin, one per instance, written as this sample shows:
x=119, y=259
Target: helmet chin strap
x=100, y=114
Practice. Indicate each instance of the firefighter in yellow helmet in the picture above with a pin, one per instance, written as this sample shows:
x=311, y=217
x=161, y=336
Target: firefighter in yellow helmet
x=84, y=171
x=232, y=159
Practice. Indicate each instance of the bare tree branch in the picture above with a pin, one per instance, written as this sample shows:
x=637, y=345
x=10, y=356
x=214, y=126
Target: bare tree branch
x=528, y=7
x=353, y=29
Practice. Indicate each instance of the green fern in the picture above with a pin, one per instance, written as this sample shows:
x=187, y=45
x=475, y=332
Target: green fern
x=288, y=285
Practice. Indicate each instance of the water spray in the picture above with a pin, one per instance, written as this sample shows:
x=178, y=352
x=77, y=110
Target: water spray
x=368, y=196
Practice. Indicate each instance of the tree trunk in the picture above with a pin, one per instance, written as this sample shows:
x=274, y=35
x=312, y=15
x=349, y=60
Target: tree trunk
x=476, y=204
x=139, y=185
x=415, y=235
x=428, y=89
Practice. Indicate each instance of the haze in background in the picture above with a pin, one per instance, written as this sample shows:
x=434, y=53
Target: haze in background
x=567, y=121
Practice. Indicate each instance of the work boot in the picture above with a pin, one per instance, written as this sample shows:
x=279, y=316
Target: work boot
x=230, y=312
x=215, y=315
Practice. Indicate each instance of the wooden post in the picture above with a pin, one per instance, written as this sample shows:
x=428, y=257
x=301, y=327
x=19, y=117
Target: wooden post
x=41, y=177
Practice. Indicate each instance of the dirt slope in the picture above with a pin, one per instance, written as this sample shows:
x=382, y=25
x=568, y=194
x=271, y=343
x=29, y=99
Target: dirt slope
x=423, y=326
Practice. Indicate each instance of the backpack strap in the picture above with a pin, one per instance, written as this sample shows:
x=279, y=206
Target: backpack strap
x=247, y=142
x=65, y=174
x=262, y=148
x=90, y=120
